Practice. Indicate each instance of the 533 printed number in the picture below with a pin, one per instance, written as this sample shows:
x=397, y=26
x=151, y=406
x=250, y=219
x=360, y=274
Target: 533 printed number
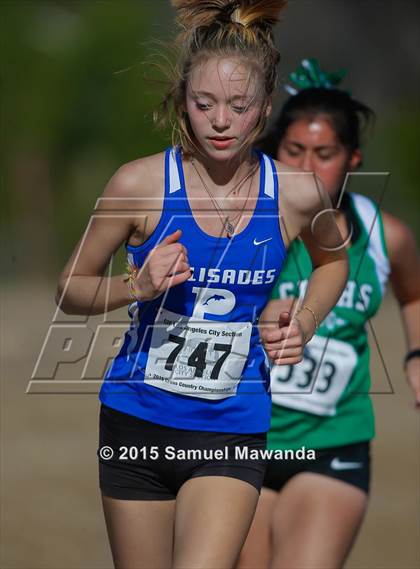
x=302, y=376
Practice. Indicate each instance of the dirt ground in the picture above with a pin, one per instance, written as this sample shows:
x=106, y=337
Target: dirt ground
x=51, y=513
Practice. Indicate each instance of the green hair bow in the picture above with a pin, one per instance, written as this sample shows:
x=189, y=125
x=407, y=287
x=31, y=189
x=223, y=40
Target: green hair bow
x=309, y=74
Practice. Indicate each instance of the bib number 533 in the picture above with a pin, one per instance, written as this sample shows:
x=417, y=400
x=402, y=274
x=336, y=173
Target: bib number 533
x=316, y=384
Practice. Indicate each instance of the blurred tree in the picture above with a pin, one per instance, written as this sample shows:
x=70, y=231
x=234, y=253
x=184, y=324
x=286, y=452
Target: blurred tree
x=77, y=106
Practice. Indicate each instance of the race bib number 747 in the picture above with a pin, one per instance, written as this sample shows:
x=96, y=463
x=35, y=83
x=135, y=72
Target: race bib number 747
x=197, y=358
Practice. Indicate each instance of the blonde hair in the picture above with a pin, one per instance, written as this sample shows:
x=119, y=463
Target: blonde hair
x=220, y=28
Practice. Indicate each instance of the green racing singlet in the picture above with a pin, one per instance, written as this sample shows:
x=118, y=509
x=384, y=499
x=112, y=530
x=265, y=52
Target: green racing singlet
x=324, y=400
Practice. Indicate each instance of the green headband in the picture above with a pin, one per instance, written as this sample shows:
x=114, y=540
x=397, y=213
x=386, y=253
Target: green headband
x=309, y=74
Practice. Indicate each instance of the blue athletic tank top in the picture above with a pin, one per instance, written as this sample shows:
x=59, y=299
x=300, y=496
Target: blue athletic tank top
x=192, y=358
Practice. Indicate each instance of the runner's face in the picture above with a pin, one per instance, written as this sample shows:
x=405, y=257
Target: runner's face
x=312, y=145
x=224, y=103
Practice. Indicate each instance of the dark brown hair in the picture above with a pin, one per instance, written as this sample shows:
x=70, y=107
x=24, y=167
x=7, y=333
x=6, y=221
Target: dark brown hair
x=348, y=117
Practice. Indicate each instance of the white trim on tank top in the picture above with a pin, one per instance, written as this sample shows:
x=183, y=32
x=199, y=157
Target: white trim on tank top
x=269, y=178
x=174, y=179
x=369, y=214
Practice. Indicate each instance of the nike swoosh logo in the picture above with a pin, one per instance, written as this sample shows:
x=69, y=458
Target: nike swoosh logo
x=263, y=241
x=337, y=464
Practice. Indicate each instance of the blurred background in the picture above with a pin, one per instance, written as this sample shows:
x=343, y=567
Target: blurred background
x=77, y=102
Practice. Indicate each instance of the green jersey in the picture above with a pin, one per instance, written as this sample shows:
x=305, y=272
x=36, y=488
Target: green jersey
x=324, y=400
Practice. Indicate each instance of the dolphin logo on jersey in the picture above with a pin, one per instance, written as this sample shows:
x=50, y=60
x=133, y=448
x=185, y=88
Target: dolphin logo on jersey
x=214, y=298
x=209, y=301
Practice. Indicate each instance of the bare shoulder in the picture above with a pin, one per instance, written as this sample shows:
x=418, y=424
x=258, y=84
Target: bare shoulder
x=404, y=259
x=398, y=236
x=139, y=179
x=136, y=192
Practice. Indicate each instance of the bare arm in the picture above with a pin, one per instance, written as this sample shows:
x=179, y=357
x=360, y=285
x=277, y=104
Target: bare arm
x=82, y=287
x=323, y=241
x=405, y=281
x=308, y=213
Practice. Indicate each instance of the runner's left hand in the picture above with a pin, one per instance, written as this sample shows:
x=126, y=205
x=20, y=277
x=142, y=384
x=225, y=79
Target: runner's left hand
x=284, y=344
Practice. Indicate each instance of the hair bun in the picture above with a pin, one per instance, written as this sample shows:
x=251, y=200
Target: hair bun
x=197, y=13
x=265, y=12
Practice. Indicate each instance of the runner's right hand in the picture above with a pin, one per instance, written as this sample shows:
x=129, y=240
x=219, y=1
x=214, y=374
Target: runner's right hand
x=164, y=267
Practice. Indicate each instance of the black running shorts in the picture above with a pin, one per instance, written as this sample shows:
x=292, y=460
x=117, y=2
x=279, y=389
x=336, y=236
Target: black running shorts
x=140, y=460
x=350, y=463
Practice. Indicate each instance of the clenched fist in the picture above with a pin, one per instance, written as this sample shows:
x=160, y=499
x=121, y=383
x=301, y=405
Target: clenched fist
x=165, y=266
x=284, y=343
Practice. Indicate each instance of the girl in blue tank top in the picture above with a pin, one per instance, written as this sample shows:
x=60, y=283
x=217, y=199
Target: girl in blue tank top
x=206, y=224
x=195, y=350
